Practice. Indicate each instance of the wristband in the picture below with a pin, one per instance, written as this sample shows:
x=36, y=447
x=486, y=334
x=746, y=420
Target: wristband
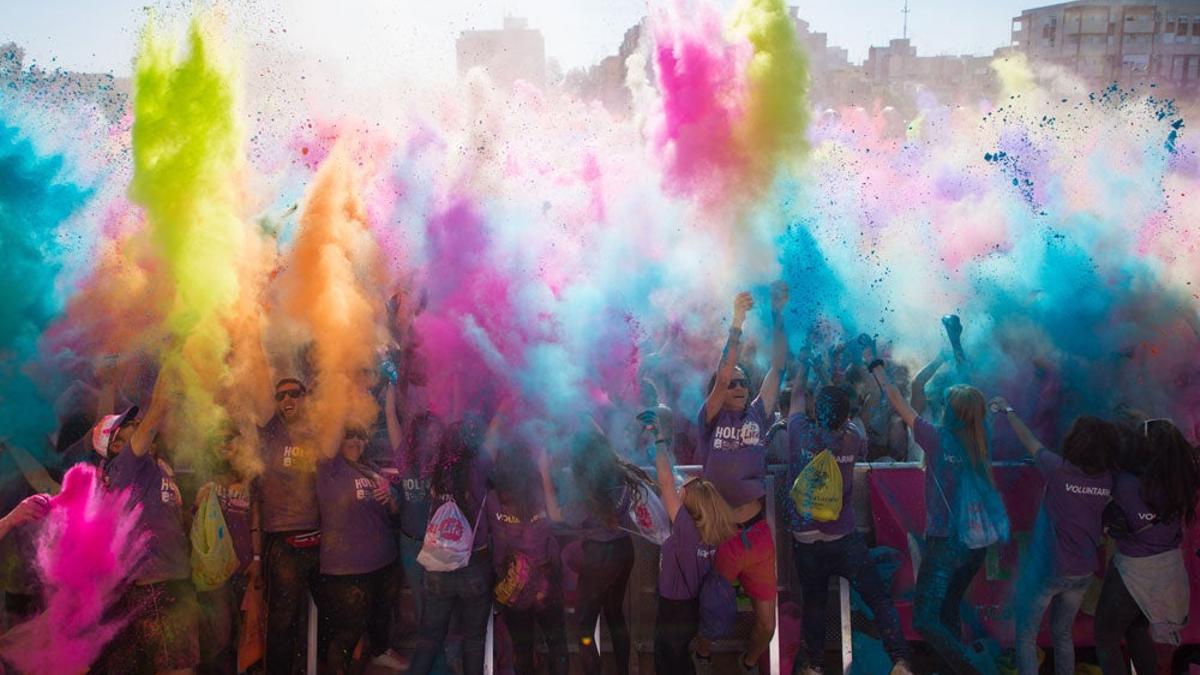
x=256, y=558
x=877, y=363
x=661, y=441
x=735, y=332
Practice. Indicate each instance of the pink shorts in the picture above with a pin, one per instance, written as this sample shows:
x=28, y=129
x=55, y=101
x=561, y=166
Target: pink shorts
x=749, y=558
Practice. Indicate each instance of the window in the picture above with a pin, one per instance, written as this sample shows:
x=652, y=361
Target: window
x=1169, y=24
x=1182, y=26
x=1193, y=69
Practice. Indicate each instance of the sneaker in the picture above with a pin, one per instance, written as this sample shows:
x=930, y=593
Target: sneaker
x=389, y=659
x=703, y=664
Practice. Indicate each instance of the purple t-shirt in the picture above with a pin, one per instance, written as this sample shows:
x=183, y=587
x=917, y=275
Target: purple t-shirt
x=152, y=484
x=595, y=528
x=941, y=471
x=524, y=555
x=805, y=441
x=288, y=482
x=356, y=534
x=1148, y=538
x=733, y=453
x=235, y=508
x=683, y=560
x=1073, y=502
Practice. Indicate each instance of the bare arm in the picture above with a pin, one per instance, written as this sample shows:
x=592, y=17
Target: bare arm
x=899, y=404
x=769, y=393
x=144, y=435
x=800, y=385
x=394, y=431
x=729, y=357
x=662, y=466
x=552, y=507
x=1031, y=443
x=917, y=398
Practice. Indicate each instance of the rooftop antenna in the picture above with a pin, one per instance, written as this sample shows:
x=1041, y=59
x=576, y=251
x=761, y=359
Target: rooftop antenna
x=905, y=13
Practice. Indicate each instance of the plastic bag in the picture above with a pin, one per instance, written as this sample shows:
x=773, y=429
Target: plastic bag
x=214, y=559
x=817, y=491
x=648, y=516
x=981, y=517
x=252, y=643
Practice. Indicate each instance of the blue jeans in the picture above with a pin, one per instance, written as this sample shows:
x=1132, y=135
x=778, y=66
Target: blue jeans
x=414, y=575
x=847, y=557
x=467, y=590
x=1037, y=590
x=946, y=572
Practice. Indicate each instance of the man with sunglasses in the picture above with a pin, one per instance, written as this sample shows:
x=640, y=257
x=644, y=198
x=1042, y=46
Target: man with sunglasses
x=291, y=525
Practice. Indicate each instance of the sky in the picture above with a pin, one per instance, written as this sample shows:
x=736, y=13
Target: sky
x=101, y=35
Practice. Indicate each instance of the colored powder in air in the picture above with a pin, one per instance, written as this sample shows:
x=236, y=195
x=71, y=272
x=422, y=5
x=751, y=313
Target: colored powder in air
x=734, y=108
x=774, y=128
x=36, y=198
x=329, y=286
x=186, y=150
x=87, y=547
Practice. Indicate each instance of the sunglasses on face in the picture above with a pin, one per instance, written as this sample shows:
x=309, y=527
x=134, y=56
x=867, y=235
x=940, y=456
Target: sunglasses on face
x=1146, y=424
x=288, y=393
x=739, y=382
x=355, y=435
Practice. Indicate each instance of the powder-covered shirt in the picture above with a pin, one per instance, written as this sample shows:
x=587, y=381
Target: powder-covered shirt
x=1074, y=503
x=525, y=555
x=288, y=482
x=356, y=533
x=941, y=478
x=595, y=528
x=1147, y=537
x=152, y=484
x=733, y=453
x=805, y=441
x=684, y=560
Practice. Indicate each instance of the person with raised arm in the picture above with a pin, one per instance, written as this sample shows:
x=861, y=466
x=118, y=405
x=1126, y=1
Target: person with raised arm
x=1060, y=561
x=162, y=633
x=822, y=550
x=734, y=456
x=700, y=521
x=1146, y=592
x=956, y=454
x=291, y=524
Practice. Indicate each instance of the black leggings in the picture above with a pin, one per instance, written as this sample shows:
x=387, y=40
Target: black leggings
x=677, y=623
x=1117, y=616
x=520, y=624
x=603, y=578
x=344, y=609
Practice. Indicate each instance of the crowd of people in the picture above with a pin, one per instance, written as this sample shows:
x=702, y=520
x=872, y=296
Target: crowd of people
x=480, y=521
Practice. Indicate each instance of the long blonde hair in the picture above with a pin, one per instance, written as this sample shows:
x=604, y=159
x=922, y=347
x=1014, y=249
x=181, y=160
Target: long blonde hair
x=966, y=412
x=713, y=516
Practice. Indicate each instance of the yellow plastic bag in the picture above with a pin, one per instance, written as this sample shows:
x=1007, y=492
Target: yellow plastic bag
x=817, y=491
x=213, y=557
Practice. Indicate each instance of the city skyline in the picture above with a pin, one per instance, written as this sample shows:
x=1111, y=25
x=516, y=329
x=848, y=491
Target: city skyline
x=383, y=38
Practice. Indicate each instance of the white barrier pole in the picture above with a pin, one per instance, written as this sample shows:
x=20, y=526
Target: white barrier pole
x=847, y=629
x=489, y=643
x=312, y=637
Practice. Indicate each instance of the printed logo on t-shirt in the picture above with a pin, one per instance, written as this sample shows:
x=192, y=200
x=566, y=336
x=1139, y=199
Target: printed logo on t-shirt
x=1086, y=490
x=1147, y=516
x=363, y=488
x=706, y=552
x=170, y=492
x=415, y=489
x=234, y=500
x=734, y=438
x=291, y=455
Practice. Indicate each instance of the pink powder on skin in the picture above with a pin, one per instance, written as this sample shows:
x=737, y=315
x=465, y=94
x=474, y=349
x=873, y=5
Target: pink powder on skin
x=87, y=547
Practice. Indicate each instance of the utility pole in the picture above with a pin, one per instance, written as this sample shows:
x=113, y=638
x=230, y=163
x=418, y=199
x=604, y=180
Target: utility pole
x=905, y=13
